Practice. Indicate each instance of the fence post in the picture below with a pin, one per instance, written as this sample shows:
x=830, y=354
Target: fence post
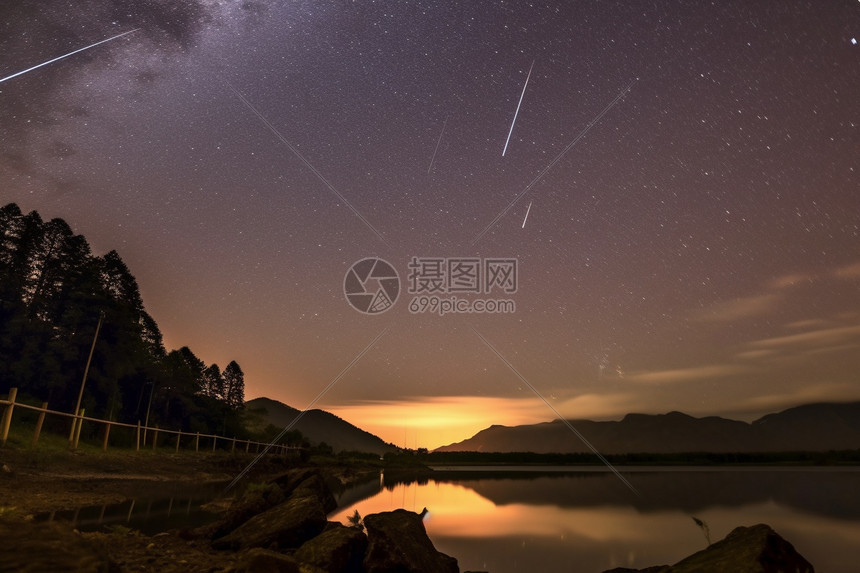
x=107, y=433
x=197, y=443
x=7, y=416
x=233, y=447
x=154, y=437
x=137, y=438
x=178, y=435
x=39, y=423
x=247, y=445
x=214, y=442
x=78, y=428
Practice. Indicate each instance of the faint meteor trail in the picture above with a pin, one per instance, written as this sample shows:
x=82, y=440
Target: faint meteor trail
x=308, y=164
x=526, y=218
x=432, y=159
x=525, y=85
x=67, y=55
x=552, y=163
x=556, y=412
x=308, y=407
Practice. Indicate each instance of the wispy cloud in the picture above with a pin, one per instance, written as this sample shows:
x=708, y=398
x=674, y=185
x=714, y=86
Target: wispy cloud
x=594, y=406
x=740, y=308
x=755, y=354
x=790, y=280
x=808, y=323
x=813, y=338
x=688, y=374
x=823, y=392
x=851, y=271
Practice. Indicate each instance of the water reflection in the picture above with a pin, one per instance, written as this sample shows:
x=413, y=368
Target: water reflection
x=588, y=521
x=149, y=515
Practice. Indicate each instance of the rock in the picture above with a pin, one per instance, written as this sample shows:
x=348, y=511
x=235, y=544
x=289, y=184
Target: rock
x=756, y=549
x=253, y=502
x=29, y=546
x=339, y=549
x=398, y=543
x=286, y=525
x=259, y=560
x=307, y=479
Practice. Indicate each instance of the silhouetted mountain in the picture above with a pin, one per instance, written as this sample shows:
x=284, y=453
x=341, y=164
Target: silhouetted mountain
x=813, y=427
x=320, y=426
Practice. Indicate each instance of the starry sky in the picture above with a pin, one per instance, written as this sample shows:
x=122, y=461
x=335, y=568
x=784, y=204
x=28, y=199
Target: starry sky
x=679, y=190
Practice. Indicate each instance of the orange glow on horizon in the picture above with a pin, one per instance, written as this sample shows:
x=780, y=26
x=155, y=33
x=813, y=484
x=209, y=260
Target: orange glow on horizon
x=430, y=422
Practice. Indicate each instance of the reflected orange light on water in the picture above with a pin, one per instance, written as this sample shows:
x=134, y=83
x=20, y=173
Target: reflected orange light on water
x=459, y=511
x=608, y=535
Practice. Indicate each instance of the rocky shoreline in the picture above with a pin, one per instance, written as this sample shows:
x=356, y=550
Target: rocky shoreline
x=281, y=525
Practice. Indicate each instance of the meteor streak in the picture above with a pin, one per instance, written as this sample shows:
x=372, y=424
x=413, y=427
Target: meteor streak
x=552, y=163
x=67, y=55
x=526, y=218
x=432, y=159
x=518, y=108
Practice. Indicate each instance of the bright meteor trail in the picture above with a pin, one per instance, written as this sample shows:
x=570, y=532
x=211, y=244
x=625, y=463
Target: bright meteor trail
x=67, y=55
x=526, y=218
x=525, y=85
x=552, y=163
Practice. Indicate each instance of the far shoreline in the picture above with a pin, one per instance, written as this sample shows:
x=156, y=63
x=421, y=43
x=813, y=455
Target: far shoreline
x=537, y=468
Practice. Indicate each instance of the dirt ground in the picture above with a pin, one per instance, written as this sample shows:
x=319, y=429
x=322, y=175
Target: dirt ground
x=34, y=482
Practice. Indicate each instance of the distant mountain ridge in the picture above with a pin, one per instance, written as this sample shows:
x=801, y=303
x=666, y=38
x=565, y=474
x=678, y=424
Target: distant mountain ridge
x=320, y=426
x=811, y=427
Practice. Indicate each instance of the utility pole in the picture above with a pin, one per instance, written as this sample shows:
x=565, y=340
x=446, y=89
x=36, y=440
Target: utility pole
x=76, y=421
x=148, y=406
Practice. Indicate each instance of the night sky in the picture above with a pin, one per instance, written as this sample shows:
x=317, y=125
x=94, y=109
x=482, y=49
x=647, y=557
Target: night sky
x=690, y=172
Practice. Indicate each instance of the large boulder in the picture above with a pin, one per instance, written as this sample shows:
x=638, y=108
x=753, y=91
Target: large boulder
x=338, y=549
x=307, y=480
x=756, y=549
x=398, y=543
x=254, y=501
x=286, y=525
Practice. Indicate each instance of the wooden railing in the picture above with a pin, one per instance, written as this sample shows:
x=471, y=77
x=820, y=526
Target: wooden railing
x=140, y=432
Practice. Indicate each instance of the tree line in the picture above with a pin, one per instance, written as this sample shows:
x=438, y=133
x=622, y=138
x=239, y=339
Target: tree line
x=54, y=295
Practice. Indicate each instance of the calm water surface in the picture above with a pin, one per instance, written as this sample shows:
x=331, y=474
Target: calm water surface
x=553, y=519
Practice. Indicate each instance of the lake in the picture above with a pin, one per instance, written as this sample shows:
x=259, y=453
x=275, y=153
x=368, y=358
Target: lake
x=557, y=519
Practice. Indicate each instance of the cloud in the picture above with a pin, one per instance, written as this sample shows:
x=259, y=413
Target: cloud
x=813, y=338
x=851, y=271
x=809, y=323
x=823, y=392
x=688, y=374
x=740, y=308
x=790, y=280
x=755, y=354
x=591, y=406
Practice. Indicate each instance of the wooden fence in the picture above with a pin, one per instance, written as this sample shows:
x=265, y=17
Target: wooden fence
x=140, y=432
